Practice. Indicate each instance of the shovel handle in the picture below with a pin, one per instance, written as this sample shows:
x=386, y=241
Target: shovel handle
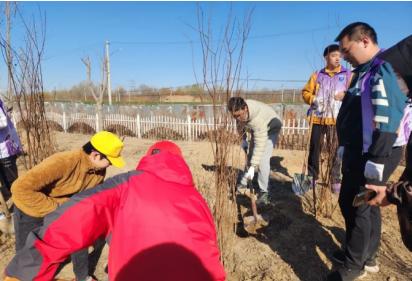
x=253, y=201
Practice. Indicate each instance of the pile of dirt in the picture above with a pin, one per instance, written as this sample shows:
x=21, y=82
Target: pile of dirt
x=293, y=246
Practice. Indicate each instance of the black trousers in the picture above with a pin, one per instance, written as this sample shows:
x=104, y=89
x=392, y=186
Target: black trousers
x=363, y=224
x=24, y=224
x=8, y=174
x=407, y=173
x=316, y=141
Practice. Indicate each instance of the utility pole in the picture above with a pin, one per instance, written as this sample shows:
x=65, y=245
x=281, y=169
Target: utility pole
x=109, y=86
x=87, y=63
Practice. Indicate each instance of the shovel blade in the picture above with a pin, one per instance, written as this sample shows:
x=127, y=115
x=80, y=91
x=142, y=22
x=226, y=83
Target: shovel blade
x=301, y=183
x=252, y=224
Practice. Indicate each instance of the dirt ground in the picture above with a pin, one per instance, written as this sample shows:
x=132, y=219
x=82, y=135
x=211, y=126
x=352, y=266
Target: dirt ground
x=294, y=246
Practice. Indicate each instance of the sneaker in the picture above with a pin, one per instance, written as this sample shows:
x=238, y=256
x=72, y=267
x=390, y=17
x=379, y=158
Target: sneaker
x=346, y=274
x=371, y=266
x=263, y=199
x=338, y=257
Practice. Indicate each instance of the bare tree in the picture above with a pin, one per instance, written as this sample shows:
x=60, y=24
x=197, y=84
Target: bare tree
x=222, y=63
x=320, y=200
x=25, y=72
x=9, y=11
x=87, y=63
x=329, y=169
x=98, y=91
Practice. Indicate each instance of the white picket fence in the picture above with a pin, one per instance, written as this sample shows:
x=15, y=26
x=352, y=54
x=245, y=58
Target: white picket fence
x=295, y=127
x=293, y=130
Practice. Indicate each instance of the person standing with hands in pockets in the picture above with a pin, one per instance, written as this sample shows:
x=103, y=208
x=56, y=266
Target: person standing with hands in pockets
x=324, y=93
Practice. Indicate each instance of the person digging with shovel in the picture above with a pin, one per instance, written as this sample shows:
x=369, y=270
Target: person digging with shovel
x=265, y=125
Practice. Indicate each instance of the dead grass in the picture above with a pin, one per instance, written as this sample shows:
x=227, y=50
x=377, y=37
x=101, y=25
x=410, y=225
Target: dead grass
x=294, y=246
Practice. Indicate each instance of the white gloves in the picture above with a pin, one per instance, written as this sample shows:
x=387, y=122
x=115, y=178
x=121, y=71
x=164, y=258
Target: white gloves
x=250, y=173
x=339, y=153
x=244, y=145
x=374, y=170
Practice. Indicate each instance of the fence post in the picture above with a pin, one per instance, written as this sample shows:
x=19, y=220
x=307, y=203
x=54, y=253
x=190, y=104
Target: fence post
x=64, y=122
x=189, y=133
x=97, y=122
x=139, y=132
x=294, y=95
x=282, y=94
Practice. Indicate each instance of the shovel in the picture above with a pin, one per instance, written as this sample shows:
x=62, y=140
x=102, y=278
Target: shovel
x=256, y=221
x=301, y=183
x=253, y=201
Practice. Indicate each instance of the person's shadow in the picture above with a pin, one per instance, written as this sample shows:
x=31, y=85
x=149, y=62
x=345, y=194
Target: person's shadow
x=168, y=261
x=297, y=237
x=275, y=166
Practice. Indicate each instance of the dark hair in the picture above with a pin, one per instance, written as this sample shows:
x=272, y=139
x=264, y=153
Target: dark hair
x=88, y=148
x=356, y=30
x=235, y=104
x=330, y=49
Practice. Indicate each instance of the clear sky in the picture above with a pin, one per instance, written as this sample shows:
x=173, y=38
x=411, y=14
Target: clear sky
x=149, y=40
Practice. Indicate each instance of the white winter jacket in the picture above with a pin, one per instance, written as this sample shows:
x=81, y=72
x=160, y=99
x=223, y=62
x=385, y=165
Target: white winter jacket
x=260, y=116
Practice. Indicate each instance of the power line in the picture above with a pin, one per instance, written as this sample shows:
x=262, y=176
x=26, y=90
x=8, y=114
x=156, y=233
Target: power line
x=263, y=36
x=183, y=42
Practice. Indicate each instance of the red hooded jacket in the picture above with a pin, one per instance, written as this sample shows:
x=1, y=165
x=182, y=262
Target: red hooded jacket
x=158, y=227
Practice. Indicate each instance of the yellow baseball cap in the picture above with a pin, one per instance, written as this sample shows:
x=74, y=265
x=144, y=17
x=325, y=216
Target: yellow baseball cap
x=110, y=145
